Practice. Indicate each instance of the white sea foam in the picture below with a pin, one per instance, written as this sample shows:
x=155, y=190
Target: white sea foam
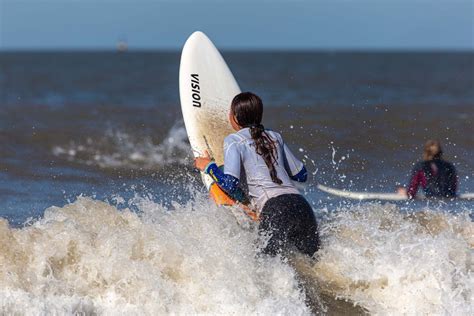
x=118, y=149
x=394, y=263
x=90, y=257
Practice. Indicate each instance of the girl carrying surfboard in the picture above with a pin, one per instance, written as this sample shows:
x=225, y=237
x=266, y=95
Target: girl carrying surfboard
x=258, y=160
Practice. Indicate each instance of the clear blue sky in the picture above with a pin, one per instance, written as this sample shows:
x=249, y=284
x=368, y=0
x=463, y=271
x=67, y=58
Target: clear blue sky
x=233, y=24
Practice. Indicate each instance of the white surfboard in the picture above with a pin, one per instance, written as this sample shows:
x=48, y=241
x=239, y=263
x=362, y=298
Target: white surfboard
x=377, y=196
x=206, y=88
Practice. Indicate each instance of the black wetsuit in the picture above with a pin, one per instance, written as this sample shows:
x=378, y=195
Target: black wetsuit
x=437, y=178
x=289, y=221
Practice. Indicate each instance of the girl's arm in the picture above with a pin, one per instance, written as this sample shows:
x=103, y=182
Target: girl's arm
x=295, y=168
x=417, y=179
x=226, y=182
x=301, y=176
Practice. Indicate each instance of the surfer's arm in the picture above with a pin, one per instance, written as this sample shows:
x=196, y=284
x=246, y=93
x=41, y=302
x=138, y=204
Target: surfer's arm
x=301, y=176
x=295, y=168
x=226, y=182
x=417, y=179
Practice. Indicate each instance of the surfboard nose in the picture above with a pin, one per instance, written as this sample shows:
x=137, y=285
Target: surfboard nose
x=197, y=36
x=198, y=33
x=198, y=39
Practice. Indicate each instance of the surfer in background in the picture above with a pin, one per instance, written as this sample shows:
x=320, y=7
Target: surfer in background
x=260, y=158
x=436, y=176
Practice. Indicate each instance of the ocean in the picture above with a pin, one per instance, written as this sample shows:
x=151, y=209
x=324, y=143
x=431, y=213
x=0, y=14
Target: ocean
x=102, y=212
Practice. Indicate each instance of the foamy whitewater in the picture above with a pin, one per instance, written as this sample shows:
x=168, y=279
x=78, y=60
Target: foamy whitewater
x=91, y=257
x=395, y=263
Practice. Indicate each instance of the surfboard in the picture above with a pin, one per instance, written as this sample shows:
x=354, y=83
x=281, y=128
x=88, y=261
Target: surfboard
x=206, y=89
x=377, y=196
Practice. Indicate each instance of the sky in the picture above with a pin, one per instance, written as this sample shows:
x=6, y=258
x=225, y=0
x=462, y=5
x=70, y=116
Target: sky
x=238, y=24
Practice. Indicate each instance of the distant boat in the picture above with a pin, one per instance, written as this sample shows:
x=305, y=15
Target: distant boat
x=122, y=46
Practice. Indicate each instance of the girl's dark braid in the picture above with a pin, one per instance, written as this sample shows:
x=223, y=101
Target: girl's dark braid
x=266, y=148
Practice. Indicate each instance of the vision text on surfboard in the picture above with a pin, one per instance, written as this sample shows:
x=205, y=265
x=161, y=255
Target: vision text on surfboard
x=196, y=90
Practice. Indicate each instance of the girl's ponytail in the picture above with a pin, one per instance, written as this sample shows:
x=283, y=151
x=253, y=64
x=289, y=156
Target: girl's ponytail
x=266, y=148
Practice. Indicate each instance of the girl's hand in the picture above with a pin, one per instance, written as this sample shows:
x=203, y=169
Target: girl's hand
x=402, y=191
x=202, y=162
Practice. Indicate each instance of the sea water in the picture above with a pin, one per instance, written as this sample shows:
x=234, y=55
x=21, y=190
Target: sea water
x=102, y=212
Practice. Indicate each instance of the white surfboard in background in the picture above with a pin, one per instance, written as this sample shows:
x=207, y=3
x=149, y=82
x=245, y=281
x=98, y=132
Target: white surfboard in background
x=377, y=196
x=206, y=89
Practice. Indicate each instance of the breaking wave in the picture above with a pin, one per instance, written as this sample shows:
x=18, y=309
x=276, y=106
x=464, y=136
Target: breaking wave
x=145, y=258
x=391, y=262
x=89, y=257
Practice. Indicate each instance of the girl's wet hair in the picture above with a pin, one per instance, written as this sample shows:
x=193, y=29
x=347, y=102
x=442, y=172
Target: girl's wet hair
x=432, y=150
x=248, y=111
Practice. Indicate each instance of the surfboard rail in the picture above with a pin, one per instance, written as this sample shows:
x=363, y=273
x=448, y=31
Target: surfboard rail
x=361, y=196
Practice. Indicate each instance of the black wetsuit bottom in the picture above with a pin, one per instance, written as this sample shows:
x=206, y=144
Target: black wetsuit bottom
x=288, y=220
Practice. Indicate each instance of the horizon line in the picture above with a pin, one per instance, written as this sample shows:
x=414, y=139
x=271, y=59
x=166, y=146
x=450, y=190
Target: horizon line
x=242, y=49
